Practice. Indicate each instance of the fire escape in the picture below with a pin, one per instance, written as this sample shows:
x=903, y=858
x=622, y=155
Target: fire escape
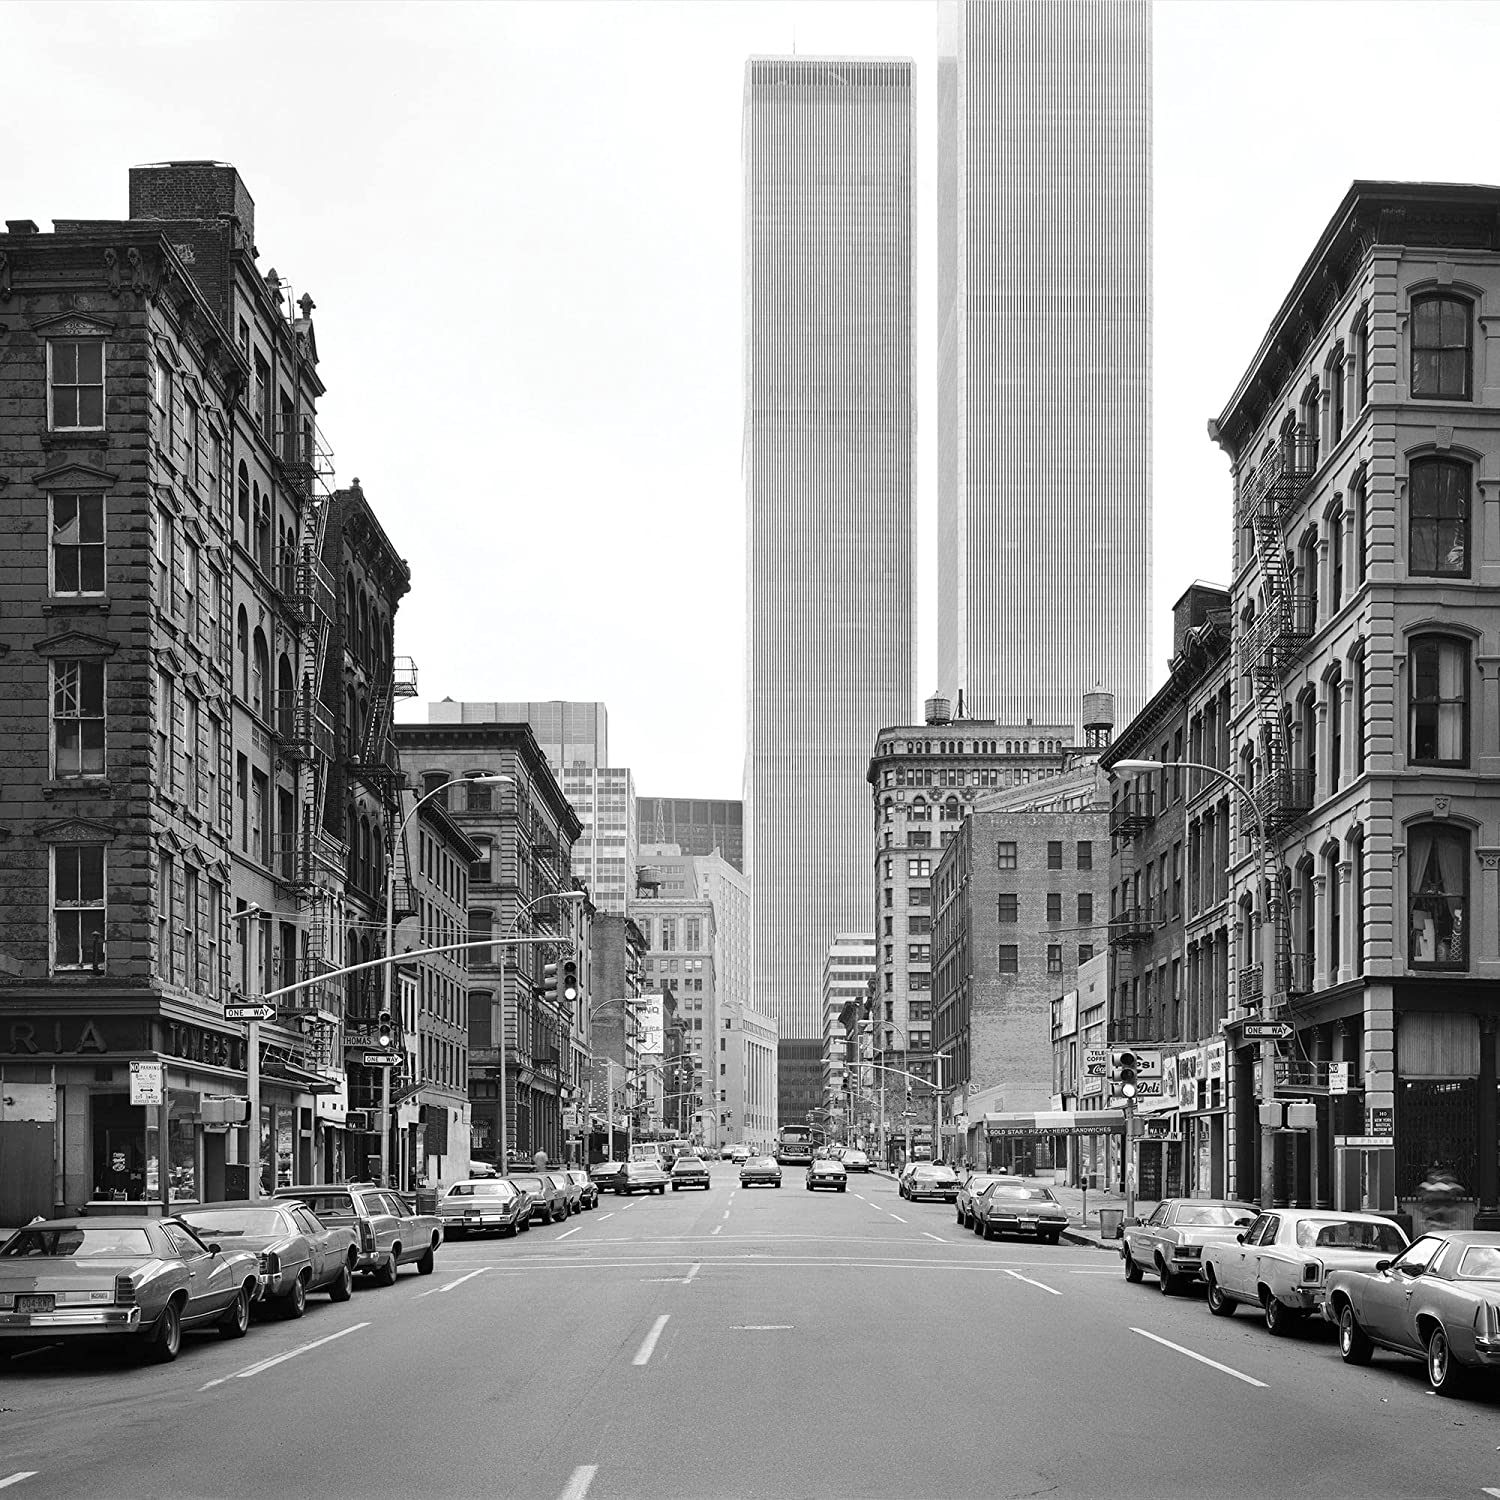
x=1132, y=928
x=1283, y=794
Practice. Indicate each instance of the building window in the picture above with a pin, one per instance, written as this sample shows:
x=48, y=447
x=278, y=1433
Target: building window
x=165, y=407
x=78, y=544
x=191, y=583
x=1005, y=855
x=1054, y=906
x=1362, y=357
x=1085, y=953
x=1008, y=907
x=75, y=382
x=1438, y=867
x=919, y=953
x=77, y=719
x=166, y=732
x=1441, y=347
x=1357, y=666
x=1054, y=854
x=1438, y=713
x=1438, y=512
x=166, y=545
x=78, y=906
x=166, y=889
x=1335, y=561
x=1085, y=854
x=1085, y=909
x=1054, y=958
x=482, y=868
x=1010, y=959
x=918, y=867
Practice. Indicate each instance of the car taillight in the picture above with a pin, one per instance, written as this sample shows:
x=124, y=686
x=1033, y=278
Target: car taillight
x=1487, y=1321
x=124, y=1291
x=366, y=1235
x=270, y=1263
x=1312, y=1271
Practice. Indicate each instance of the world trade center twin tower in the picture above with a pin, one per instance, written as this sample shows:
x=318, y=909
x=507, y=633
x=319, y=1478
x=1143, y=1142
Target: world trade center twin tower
x=1042, y=429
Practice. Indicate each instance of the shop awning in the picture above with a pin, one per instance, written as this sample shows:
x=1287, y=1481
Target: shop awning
x=278, y=1070
x=1057, y=1122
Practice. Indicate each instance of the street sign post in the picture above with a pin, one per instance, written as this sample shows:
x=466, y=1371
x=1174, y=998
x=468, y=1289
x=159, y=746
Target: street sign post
x=1267, y=1031
x=383, y=1059
x=249, y=1012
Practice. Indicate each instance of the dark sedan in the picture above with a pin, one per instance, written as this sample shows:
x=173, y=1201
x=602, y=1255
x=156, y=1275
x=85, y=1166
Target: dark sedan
x=298, y=1252
x=548, y=1193
x=690, y=1171
x=1014, y=1206
x=605, y=1174
x=588, y=1189
x=641, y=1177
x=929, y=1179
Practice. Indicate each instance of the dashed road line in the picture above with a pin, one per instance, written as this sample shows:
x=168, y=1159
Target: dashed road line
x=692, y=1272
x=1030, y=1282
x=1202, y=1359
x=644, y=1352
x=17, y=1477
x=761, y=1327
x=896, y=1217
x=930, y=1235
x=567, y=1232
x=609, y=1215
x=277, y=1359
x=716, y=1229
x=579, y=1481
x=450, y=1285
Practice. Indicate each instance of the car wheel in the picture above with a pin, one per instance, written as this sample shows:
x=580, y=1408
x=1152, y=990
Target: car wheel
x=427, y=1262
x=1220, y=1304
x=976, y=1225
x=675, y=1187
x=166, y=1340
x=1355, y=1347
x=1444, y=1373
x=294, y=1304
x=1166, y=1282
x=385, y=1272
x=343, y=1285
x=986, y=1231
x=958, y=1216
x=1053, y=1238
x=1132, y=1271
x=1279, y=1317
x=235, y=1323
x=842, y=1186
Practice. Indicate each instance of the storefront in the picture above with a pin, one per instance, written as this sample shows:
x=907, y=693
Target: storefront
x=1050, y=1142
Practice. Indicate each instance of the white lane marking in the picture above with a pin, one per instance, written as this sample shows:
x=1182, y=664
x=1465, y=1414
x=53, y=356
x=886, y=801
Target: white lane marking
x=896, y=1217
x=726, y=1213
x=578, y=1483
x=930, y=1235
x=761, y=1327
x=17, y=1477
x=277, y=1359
x=1202, y=1359
x=1491, y=1490
x=567, y=1232
x=472, y=1274
x=716, y=1229
x=1030, y=1282
x=609, y=1215
x=644, y=1352
x=692, y=1272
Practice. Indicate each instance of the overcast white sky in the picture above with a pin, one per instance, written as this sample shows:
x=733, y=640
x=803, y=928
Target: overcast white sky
x=521, y=225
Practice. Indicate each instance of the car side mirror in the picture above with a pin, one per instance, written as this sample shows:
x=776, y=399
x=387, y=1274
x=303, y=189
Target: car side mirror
x=1239, y=1239
x=214, y=1247
x=1382, y=1265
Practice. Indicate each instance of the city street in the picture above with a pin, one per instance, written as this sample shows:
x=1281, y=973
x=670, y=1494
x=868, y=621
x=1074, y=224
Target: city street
x=746, y=1342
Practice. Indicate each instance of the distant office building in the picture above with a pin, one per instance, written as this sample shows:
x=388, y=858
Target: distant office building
x=846, y=979
x=1044, y=354
x=747, y=1048
x=829, y=487
x=695, y=825
x=569, y=733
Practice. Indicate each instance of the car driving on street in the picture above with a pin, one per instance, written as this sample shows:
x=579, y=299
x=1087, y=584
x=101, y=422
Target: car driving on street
x=827, y=1172
x=641, y=1177
x=762, y=1170
x=689, y=1172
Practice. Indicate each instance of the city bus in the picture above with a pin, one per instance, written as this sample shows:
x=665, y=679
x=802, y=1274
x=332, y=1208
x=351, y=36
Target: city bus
x=794, y=1146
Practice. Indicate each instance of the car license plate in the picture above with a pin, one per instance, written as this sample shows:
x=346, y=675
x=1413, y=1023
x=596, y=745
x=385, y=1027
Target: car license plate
x=34, y=1302
x=472, y=1213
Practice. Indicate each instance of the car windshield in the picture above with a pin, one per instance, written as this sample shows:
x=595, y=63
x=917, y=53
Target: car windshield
x=485, y=1189
x=1349, y=1234
x=226, y=1223
x=531, y=1184
x=1480, y=1263
x=77, y=1241
x=1022, y=1194
x=760, y=1161
x=1213, y=1215
x=328, y=1205
x=579, y=1177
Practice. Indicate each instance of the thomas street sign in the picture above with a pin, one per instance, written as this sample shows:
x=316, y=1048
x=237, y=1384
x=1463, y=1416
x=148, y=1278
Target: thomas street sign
x=1267, y=1031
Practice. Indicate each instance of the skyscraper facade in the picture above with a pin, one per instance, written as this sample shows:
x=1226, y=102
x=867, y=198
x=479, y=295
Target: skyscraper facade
x=829, y=481
x=1044, y=354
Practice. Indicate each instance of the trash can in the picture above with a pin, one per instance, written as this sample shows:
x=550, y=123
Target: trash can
x=1110, y=1220
x=427, y=1200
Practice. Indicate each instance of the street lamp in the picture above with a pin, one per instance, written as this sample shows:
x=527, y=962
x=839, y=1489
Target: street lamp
x=489, y=778
x=1273, y=917
x=252, y=1075
x=509, y=936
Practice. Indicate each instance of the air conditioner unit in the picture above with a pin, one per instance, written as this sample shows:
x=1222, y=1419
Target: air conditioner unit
x=357, y=1119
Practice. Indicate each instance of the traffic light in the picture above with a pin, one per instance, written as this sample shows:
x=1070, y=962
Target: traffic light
x=383, y=1029
x=1123, y=1068
x=570, y=979
x=549, y=981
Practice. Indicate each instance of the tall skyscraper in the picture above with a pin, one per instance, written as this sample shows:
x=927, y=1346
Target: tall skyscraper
x=829, y=485
x=1044, y=354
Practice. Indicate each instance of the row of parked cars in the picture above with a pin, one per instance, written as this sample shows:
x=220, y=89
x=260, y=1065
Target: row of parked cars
x=148, y=1279
x=1436, y=1298
x=511, y=1204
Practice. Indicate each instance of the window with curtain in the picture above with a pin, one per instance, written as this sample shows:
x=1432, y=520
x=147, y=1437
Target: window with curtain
x=1438, y=886
x=1438, y=701
x=1441, y=347
x=1438, y=517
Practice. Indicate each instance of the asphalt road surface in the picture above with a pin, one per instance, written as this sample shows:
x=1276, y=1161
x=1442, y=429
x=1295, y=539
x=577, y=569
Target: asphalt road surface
x=746, y=1343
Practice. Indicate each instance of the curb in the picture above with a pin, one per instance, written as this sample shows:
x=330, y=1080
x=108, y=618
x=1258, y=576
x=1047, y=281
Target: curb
x=1077, y=1237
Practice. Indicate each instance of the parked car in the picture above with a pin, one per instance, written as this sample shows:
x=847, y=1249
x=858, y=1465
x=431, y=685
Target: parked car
x=574, y=1192
x=760, y=1169
x=1171, y=1241
x=1438, y=1300
x=929, y=1179
x=389, y=1234
x=968, y=1190
x=606, y=1173
x=482, y=1169
x=855, y=1160
x=298, y=1253
x=740, y=1154
x=689, y=1172
x=1282, y=1261
x=484, y=1205
x=1012, y=1205
x=641, y=1177
x=827, y=1172
x=548, y=1195
x=137, y=1278
x=588, y=1189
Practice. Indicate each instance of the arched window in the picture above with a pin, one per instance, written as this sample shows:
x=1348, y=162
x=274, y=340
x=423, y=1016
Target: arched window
x=1333, y=687
x=1311, y=414
x=286, y=698
x=1437, y=867
x=362, y=629
x=350, y=614
x=260, y=667
x=242, y=500
x=1307, y=945
x=1360, y=521
x=952, y=809
x=1333, y=918
x=351, y=860
x=1307, y=576
x=1437, y=673
x=1334, y=379
x=920, y=812
x=1442, y=341
x=1438, y=517
x=364, y=855
x=351, y=723
x=1307, y=726
x=242, y=652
